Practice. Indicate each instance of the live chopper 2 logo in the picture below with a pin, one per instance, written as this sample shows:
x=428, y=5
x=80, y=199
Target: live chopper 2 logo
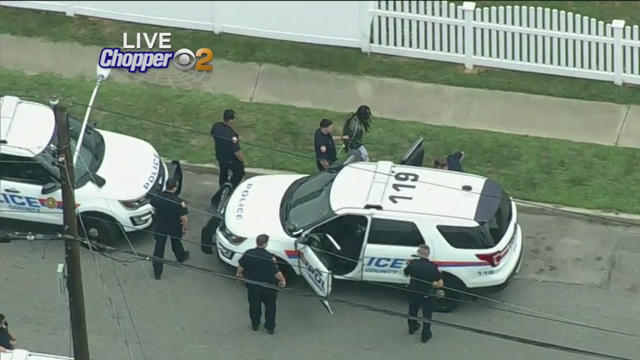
x=140, y=61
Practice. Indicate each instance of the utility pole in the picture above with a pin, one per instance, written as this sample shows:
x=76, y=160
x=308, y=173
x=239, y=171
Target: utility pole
x=71, y=248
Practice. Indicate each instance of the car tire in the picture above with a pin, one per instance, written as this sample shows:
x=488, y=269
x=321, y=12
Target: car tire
x=454, y=294
x=287, y=270
x=109, y=232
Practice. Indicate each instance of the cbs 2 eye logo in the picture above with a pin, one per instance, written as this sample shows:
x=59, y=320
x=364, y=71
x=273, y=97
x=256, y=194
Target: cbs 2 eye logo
x=185, y=60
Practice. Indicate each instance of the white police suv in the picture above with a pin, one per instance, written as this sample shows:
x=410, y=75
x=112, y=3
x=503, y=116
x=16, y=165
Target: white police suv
x=363, y=221
x=115, y=174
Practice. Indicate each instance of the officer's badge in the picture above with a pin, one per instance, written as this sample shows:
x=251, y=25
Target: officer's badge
x=234, y=139
x=50, y=203
x=323, y=149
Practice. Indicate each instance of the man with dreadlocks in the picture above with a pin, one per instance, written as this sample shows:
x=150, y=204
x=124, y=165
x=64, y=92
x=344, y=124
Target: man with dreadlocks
x=356, y=125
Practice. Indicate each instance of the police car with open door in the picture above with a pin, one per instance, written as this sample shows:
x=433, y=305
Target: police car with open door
x=362, y=221
x=115, y=175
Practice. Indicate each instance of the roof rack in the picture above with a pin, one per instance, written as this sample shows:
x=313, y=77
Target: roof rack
x=379, y=185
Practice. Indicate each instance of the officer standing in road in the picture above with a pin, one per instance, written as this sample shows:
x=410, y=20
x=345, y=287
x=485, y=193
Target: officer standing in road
x=425, y=278
x=170, y=219
x=324, y=144
x=259, y=265
x=227, y=142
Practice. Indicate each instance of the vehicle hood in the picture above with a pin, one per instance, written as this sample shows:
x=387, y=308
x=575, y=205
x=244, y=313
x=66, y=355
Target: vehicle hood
x=130, y=166
x=254, y=206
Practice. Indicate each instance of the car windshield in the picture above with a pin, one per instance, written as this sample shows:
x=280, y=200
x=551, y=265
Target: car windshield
x=90, y=155
x=306, y=202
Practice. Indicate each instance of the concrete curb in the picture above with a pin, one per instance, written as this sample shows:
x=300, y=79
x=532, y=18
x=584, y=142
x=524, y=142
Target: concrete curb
x=525, y=206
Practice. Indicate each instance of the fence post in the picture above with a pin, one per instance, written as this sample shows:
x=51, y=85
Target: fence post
x=617, y=26
x=468, y=7
x=216, y=19
x=364, y=16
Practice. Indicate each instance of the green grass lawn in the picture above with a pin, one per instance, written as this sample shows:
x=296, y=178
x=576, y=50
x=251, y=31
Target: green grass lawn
x=556, y=171
x=58, y=27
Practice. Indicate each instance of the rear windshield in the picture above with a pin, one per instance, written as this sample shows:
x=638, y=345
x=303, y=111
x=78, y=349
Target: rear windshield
x=484, y=236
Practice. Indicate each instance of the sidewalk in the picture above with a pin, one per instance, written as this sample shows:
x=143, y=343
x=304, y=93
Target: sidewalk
x=535, y=115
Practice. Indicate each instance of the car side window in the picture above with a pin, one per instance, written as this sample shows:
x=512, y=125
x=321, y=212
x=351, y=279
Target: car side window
x=462, y=237
x=24, y=170
x=394, y=232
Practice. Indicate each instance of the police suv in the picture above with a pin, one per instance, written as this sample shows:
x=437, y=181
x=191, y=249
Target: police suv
x=362, y=221
x=115, y=174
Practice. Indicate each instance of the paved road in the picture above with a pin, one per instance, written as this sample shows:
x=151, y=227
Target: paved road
x=581, y=270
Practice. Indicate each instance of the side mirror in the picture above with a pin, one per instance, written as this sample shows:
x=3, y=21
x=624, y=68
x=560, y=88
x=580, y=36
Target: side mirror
x=102, y=73
x=50, y=187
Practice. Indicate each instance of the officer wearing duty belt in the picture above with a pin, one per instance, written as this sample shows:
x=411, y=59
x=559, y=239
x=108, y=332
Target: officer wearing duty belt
x=425, y=278
x=324, y=144
x=228, y=153
x=259, y=266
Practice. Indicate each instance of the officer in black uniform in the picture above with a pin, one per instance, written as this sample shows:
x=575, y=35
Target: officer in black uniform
x=170, y=219
x=324, y=144
x=425, y=278
x=259, y=265
x=453, y=162
x=230, y=157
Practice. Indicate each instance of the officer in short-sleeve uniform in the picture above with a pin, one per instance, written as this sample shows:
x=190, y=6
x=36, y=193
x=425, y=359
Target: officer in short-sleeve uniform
x=425, y=278
x=228, y=153
x=259, y=265
x=324, y=145
x=170, y=219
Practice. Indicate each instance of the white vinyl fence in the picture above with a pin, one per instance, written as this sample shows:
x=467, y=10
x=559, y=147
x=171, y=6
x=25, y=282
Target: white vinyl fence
x=508, y=37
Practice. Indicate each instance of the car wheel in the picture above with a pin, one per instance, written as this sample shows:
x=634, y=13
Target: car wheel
x=455, y=294
x=109, y=232
x=287, y=270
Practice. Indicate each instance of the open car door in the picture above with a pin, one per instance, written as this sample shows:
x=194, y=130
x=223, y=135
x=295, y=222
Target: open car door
x=218, y=204
x=314, y=265
x=175, y=172
x=415, y=155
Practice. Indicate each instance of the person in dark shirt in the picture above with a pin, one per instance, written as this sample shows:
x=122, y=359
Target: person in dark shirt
x=324, y=144
x=259, y=265
x=228, y=153
x=453, y=162
x=7, y=341
x=425, y=278
x=356, y=125
x=170, y=219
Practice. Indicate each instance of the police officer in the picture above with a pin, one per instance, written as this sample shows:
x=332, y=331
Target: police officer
x=356, y=125
x=425, y=277
x=324, y=145
x=170, y=219
x=259, y=265
x=227, y=142
x=453, y=162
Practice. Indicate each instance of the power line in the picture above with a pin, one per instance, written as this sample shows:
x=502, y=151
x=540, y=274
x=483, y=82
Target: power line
x=375, y=309
x=129, y=115
x=277, y=150
x=528, y=312
x=124, y=297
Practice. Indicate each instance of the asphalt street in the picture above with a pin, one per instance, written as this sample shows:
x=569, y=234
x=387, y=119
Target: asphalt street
x=573, y=268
